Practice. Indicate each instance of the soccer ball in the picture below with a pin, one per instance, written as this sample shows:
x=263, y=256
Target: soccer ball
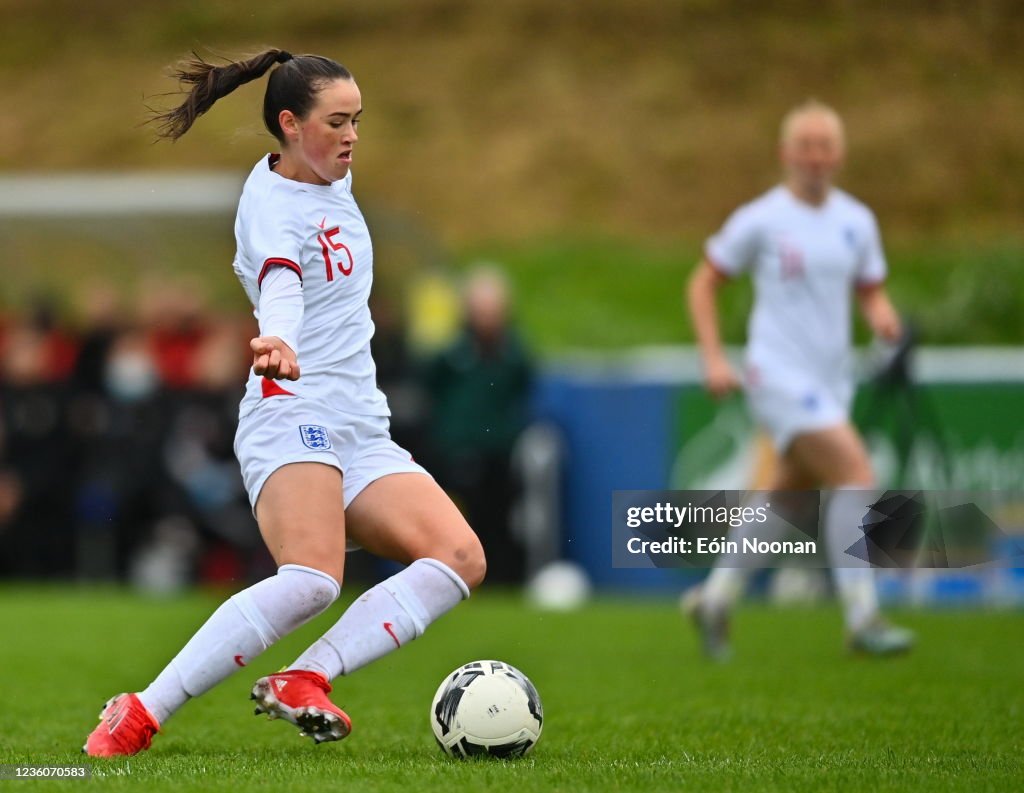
x=486, y=708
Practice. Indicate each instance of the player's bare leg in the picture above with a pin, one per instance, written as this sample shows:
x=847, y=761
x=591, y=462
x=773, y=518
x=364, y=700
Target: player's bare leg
x=831, y=457
x=303, y=523
x=301, y=516
x=837, y=458
x=709, y=605
x=408, y=518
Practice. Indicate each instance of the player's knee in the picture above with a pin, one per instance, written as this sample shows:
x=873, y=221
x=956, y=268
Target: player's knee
x=866, y=480
x=469, y=561
x=323, y=552
x=479, y=567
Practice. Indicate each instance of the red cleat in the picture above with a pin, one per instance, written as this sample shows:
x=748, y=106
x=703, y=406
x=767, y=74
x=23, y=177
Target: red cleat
x=125, y=728
x=301, y=697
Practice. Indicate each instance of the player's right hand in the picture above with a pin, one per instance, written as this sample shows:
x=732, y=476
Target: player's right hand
x=272, y=358
x=720, y=378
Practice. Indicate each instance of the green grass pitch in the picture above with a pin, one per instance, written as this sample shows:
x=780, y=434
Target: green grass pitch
x=629, y=704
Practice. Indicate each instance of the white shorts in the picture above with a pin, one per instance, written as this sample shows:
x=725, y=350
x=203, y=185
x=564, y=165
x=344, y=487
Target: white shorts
x=786, y=405
x=284, y=430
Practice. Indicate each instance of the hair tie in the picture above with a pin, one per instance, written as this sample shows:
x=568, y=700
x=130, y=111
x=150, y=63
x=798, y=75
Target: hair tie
x=283, y=56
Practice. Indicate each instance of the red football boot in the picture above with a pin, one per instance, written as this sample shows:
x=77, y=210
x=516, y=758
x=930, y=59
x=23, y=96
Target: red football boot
x=125, y=728
x=301, y=697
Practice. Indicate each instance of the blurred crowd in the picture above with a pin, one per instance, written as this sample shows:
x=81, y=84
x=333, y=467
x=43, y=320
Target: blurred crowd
x=116, y=432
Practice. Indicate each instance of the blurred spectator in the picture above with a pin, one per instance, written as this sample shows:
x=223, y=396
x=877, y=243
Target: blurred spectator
x=435, y=311
x=120, y=488
x=173, y=316
x=116, y=442
x=479, y=388
x=102, y=317
x=58, y=349
x=397, y=376
x=199, y=458
x=36, y=461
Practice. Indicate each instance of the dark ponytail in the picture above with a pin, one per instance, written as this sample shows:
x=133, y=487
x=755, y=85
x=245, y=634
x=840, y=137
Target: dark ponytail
x=291, y=87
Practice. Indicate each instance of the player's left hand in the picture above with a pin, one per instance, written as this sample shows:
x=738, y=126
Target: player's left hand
x=880, y=313
x=887, y=323
x=272, y=358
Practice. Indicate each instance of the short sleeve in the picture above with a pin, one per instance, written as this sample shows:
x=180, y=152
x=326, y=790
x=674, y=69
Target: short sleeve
x=275, y=238
x=871, y=267
x=733, y=249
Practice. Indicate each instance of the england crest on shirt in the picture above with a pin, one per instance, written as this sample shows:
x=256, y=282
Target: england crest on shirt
x=850, y=237
x=315, y=437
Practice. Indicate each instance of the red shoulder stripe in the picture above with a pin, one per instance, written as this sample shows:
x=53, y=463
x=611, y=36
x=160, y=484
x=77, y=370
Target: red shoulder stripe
x=869, y=284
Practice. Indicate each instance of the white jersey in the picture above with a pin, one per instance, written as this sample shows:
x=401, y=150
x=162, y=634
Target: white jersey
x=804, y=260
x=318, y=232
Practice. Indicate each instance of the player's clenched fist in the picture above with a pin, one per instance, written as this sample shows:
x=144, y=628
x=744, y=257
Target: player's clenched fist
x=272, y=358
x=720, y=378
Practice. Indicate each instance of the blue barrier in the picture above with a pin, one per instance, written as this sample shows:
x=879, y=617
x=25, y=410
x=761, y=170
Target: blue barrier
x=618, y=436
x=622, y=426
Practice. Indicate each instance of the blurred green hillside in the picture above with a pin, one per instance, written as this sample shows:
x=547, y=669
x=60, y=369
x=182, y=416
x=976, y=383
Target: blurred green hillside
x=589, y=145
x=524, y=117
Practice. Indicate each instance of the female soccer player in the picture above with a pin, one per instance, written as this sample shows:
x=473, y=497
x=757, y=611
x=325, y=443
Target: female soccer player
x=808, y=245
x=314, y=448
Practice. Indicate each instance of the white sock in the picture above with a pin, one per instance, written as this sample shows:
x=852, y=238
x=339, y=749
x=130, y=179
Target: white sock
x=728, y=578
x=854, y=579
x=391, y=614
x=243, y=627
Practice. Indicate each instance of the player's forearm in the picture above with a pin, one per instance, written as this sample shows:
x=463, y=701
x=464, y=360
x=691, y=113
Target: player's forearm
x=879, y=312
x=702, y=292
x=281, y=306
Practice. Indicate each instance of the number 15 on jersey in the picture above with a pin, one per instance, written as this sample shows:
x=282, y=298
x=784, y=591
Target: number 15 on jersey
x=342, y=254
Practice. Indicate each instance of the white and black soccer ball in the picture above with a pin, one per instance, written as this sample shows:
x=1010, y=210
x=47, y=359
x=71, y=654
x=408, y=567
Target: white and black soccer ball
x=486, y=708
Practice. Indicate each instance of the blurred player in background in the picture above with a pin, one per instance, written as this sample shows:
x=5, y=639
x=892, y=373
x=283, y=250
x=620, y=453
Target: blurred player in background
x=808, y=245
x=318, y=462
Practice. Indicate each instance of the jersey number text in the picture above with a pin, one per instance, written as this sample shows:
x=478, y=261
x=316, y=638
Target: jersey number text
x=329, y=246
